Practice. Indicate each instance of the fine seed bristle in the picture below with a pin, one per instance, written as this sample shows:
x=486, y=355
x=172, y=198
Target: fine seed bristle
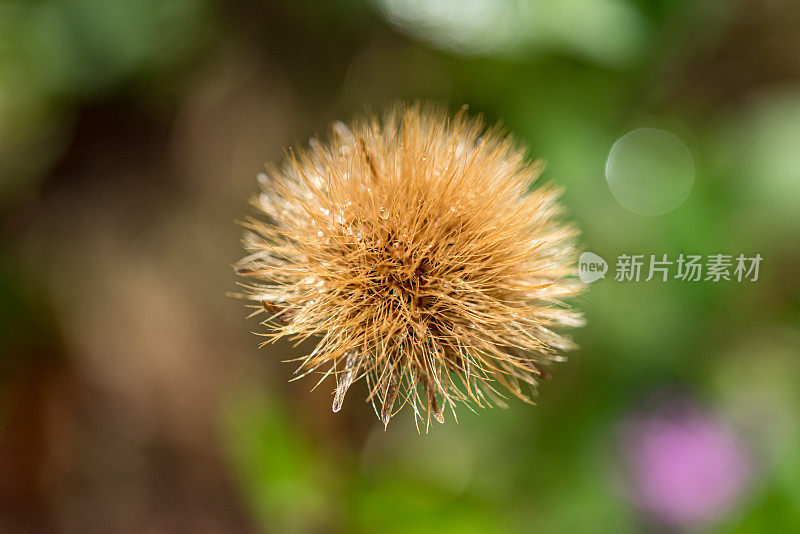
x=345, y=380
x=413, y=249
x=390, y=391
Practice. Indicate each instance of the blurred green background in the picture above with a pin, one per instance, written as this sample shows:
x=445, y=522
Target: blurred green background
x=132, y=395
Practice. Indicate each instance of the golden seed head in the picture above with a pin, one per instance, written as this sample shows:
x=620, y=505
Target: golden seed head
x=413, y=249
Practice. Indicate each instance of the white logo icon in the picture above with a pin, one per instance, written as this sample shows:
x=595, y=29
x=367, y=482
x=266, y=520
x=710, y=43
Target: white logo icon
x=591, y=267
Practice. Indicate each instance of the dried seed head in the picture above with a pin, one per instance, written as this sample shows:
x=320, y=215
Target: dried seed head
x=413, y=249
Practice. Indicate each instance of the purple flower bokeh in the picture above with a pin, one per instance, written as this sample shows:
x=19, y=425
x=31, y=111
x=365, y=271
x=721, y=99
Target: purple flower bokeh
x=686, y=468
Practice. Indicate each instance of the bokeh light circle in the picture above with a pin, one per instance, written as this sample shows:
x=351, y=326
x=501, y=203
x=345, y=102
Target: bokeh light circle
x=650, y=171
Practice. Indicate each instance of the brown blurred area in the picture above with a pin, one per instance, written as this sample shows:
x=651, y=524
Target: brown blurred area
x=115, y=428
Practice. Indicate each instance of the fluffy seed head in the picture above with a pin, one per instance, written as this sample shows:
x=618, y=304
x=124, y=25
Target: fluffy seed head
x=412, y=248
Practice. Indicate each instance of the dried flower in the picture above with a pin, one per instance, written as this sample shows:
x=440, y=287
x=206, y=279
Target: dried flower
x=412, y=248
